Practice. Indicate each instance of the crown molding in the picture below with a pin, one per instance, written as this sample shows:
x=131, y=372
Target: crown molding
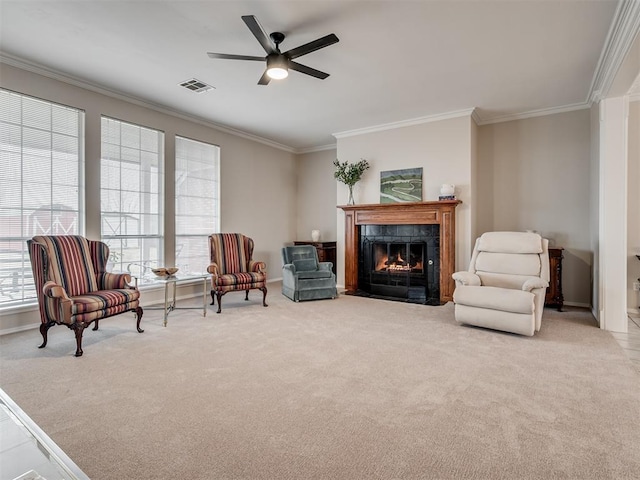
x=405, y=123
x=320, y=148
x=78, y=82
x=622, y=33
x=532, y=113
x=475, y=115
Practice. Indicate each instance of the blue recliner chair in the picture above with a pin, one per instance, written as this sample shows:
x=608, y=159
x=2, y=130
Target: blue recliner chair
x=303, y=277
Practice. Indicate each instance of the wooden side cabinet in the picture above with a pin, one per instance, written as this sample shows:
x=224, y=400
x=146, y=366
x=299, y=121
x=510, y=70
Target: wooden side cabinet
x=554, y=297
x=326, y=251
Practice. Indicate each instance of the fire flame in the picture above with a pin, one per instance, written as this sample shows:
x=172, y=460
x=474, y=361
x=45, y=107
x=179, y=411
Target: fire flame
x=399, y=265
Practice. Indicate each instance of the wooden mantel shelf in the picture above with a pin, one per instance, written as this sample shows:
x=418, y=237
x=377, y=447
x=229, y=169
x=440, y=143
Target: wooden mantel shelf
x=414, y=213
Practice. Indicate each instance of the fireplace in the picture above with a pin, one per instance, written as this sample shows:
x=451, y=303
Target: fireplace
x=400, y=262
x=366, y=225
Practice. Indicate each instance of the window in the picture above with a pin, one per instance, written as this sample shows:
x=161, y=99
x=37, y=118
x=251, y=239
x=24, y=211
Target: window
x=197, y=202
x=131, y=191
x=41, y=184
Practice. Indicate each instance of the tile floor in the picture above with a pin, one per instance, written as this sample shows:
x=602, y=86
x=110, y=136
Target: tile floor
x=630, y=341
x=26, y=452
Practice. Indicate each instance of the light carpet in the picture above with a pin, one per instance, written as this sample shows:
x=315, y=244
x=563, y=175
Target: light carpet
x=351, y=388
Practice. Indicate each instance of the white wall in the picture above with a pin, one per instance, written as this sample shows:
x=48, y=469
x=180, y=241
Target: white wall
x=258, y=182
x=633, y=206
x=594, y=208
x=612, y=233
x=475, y=219
x=316, y=199
x=441, y=148
x=535, y=176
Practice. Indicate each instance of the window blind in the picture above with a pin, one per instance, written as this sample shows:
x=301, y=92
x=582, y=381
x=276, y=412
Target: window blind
x=131, y=194
x=41, y=184
x=197, y=202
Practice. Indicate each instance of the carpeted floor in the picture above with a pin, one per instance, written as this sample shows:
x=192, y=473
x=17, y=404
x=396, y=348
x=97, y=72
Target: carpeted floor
x=351, y=388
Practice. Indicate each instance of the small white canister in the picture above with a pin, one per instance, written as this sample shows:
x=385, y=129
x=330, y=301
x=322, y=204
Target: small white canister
x=315, y=235
x=447, y=190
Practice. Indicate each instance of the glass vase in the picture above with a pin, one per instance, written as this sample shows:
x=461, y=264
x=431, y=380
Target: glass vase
x=351, y=201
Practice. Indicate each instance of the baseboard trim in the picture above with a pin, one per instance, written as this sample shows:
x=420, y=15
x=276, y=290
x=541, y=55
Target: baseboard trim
x=9, y=331
x=578, y=304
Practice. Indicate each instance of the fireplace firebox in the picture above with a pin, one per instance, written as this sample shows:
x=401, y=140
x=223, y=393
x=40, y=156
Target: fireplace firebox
x=398, y=257
x=400, y=262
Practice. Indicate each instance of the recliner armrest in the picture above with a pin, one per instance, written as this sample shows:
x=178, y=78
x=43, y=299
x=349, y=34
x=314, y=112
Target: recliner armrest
x=467, y=278
x=289, y=276
x=325, y=266
x=534, y=283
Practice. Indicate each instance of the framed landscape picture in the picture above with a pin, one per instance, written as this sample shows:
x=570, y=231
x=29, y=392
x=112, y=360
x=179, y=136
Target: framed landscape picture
x=401, y=185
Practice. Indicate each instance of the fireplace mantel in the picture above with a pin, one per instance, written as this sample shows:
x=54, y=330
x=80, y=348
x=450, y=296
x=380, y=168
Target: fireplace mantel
x=442, y=213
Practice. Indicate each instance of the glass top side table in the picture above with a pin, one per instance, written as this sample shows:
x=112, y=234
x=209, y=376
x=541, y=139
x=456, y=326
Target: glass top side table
x=170, y=286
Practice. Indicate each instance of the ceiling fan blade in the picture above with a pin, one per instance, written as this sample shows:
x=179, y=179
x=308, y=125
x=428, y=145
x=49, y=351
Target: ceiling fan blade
x=312, y=46
x=308, y=70
x=264, y=79
x=258, y=32
x=227, y=56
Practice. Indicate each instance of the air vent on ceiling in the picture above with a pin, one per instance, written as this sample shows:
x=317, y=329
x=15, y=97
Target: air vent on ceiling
x=196, y=85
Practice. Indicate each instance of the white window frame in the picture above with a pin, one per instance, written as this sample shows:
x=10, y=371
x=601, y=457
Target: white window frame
x=41, y=185
x=134, y=203
x=197, y=202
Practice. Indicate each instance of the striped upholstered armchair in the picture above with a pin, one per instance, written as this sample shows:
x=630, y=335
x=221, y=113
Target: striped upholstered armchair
x=73, y=287
x=233, y=268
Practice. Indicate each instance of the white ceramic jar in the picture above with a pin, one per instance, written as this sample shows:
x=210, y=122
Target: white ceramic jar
x=447, y=189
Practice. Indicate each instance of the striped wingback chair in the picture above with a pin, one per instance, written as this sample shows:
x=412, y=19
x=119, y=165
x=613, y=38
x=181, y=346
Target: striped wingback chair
x=233, y=268
x=73, y=287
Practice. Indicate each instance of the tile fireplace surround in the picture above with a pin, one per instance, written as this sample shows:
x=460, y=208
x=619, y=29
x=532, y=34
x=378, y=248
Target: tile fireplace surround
x=441, y=213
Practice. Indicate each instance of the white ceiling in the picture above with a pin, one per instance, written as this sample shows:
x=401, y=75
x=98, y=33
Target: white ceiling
x=396, y=60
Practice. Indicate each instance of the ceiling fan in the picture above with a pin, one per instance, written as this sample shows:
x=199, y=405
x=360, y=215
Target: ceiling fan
x=279, y=63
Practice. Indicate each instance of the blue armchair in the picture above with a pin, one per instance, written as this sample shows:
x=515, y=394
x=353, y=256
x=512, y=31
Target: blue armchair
x=303, y=277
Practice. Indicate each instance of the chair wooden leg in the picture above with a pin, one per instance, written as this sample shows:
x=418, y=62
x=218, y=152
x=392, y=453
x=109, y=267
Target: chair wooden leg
x=44, y=328
x=219, y=302
x=246, y=297
x=264, y=296
x=139, y=313
x=78, y=328
x=96, y=326
x=213, y=297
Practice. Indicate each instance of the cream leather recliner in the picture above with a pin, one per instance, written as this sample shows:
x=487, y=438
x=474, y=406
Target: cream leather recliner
x=505, y=286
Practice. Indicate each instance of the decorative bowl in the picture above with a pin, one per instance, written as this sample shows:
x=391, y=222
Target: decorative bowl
x=160, y=271
x=165, y=271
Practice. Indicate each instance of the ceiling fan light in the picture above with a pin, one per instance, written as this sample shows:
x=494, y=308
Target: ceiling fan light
x=277, y=67
x=277, y=73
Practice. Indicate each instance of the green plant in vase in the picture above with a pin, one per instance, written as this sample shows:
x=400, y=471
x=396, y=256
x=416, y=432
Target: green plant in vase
x=350, y=174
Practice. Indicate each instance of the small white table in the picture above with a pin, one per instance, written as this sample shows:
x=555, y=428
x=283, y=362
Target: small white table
x=170, y=285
